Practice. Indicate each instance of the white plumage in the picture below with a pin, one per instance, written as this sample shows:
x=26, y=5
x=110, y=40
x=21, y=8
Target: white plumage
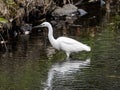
x=66, y=44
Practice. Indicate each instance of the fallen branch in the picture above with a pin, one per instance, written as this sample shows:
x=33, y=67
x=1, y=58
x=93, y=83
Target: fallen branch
x=3, y=42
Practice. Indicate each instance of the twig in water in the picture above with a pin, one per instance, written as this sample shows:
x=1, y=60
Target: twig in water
x=3, y=42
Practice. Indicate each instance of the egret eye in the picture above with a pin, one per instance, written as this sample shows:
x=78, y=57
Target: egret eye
x=43, y=24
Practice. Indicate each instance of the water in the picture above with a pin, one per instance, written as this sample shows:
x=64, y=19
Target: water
x=34, y=65
x=60, y=73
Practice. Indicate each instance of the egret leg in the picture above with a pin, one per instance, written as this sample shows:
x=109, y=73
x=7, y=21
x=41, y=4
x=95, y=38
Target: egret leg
x=68, y=55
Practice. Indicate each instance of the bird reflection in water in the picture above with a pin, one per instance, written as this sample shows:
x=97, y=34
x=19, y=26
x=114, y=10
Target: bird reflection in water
x=63, y=70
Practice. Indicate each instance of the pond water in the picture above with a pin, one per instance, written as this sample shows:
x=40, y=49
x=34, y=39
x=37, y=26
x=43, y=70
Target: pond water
x=34, y=65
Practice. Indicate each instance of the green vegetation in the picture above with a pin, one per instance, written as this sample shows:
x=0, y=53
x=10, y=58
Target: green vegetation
x=117, y=21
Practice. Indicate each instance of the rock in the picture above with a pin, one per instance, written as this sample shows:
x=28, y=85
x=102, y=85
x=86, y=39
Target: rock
x=26, y=28
x=67, y=9
x=82, y=12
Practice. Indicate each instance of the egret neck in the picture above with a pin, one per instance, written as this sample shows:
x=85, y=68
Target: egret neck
x=51, y=37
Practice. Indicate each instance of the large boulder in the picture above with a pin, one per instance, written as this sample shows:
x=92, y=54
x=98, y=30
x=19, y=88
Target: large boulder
x=67, y=9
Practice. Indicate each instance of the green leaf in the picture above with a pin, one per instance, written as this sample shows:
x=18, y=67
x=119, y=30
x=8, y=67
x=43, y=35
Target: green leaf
x=10, y=2
x=3, y=20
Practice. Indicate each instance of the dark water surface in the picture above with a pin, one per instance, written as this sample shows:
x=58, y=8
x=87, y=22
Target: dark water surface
x=35, y=65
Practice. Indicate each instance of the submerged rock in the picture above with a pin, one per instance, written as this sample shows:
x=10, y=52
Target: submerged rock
x=26, y=28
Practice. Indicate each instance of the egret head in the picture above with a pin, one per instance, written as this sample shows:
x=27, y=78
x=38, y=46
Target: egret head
x=44, y=24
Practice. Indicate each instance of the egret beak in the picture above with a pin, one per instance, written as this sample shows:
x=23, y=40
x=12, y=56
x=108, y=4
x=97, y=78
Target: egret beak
x=38, y=26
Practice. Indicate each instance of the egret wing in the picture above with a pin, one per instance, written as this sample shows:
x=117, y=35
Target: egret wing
x=68, y=44
x=68, y=41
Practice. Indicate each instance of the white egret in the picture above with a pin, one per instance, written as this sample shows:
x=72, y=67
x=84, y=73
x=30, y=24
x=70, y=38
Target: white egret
x=68, y=45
